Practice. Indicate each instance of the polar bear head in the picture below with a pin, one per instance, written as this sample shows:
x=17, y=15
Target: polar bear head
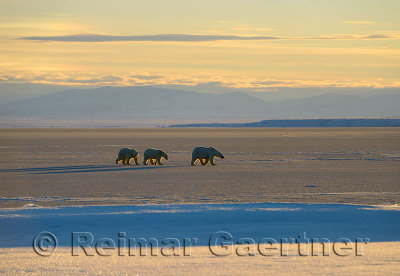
x=164, y=154
x=217, y=153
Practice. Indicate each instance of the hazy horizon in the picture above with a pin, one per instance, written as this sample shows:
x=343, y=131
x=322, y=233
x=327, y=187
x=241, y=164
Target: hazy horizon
x=144, y=106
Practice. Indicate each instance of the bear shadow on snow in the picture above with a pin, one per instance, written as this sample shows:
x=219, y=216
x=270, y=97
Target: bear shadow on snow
x=74, y=169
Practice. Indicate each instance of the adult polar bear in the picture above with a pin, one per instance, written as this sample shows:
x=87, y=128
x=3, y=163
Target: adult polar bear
x=204, y=155
x=154, y=155
x=126, y=155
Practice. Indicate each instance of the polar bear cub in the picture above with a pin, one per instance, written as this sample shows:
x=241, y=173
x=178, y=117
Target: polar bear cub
x=154, y=155
x=126, y=155
x=205, y=155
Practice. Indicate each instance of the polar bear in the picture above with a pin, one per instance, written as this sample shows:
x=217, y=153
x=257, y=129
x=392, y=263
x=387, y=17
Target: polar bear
x=126, y=155
x=154, y=155
x=205, y=155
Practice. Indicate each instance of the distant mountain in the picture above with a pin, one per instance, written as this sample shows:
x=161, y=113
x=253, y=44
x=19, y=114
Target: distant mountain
x=306, y=123
x=137, y=102
x=10, y=92
x=160, y=103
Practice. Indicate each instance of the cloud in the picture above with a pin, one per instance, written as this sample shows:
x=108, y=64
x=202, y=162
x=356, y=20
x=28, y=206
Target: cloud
x=382, y=36
x=356, y=22
x=196, y=80
x=145, y=77
x=193, y=38
x=356, y=37
x=160, y=37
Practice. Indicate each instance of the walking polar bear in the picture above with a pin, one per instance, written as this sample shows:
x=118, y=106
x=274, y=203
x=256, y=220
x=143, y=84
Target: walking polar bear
x=205, y=155
x=126, y=155
x=154, y=155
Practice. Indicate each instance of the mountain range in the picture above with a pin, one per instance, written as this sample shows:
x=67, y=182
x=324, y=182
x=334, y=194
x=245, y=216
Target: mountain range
x=146, y=102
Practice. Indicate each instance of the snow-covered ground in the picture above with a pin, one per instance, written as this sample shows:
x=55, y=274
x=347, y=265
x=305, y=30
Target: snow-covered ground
x=379, y=258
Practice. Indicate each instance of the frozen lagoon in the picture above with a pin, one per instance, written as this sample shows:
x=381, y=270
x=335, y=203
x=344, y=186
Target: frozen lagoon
x=245, y=220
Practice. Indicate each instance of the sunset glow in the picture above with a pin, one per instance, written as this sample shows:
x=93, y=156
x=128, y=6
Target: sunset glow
x=306, y=43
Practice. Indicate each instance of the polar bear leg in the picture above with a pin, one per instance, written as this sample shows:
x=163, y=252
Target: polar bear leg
x=211, y=157
x=128, y=161
x=204, y=161
x=158, y=160
x=117, y=160
x=193, y=161
x=136, y=160
x=145, y=161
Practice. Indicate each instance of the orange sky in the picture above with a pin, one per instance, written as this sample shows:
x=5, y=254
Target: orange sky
x=362, y=49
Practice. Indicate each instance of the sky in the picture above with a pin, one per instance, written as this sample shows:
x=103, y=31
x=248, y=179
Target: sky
x=255, y=44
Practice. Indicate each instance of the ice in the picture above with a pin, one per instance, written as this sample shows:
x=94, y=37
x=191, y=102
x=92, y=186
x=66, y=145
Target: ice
x=250, y=220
